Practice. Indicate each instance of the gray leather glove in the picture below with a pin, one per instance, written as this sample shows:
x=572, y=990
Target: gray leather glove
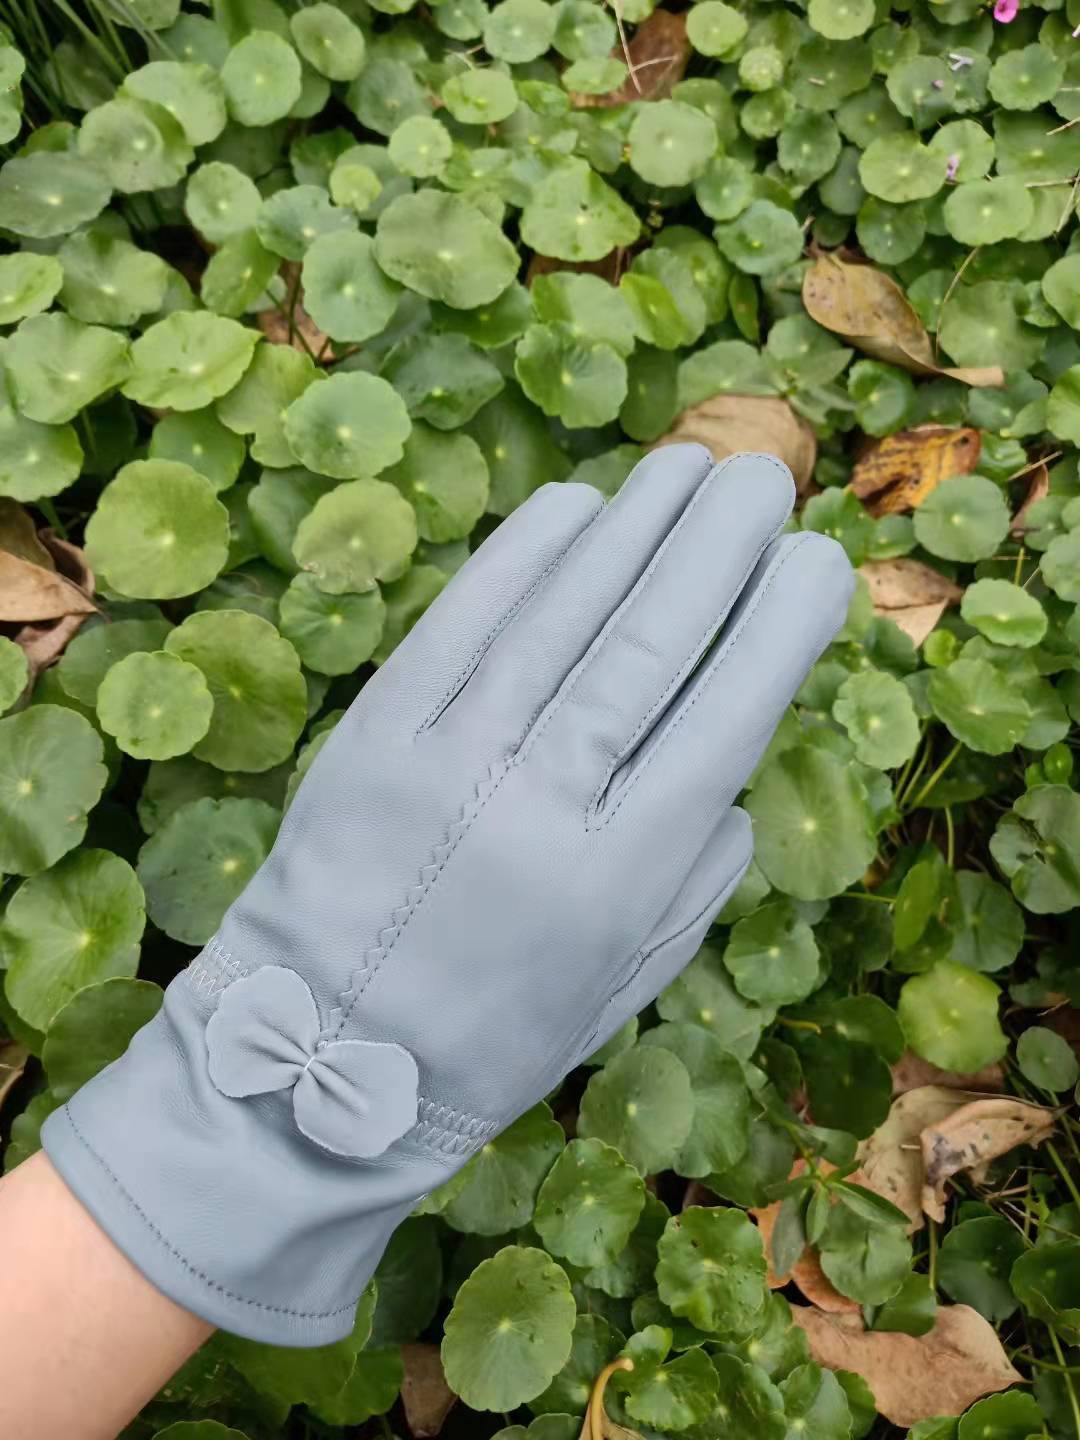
x=516, y=836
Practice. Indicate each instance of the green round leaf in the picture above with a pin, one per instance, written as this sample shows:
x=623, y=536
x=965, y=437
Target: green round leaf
x=840, y=19
x=876, y=710
x=582, y=384
x=752, y=1406
x=974, y=1263
x=965, y=518
x=158, y=531
x=1047, y=1059
x=36, y=460
x=987, y=925
x=440, y=246
x=763, y=240
x=640, y=1102
x=595, y=1344
x=1024, y=78
x=29, y=283
x=1060, y=565
x=714, y=28
x=137, y=145
x=589, y=1204
x=1037, y=845
x=197, y=863
x=979, y=705
x=14, y=672
x=421, y=146
x=950, y=1017
x=900, y=168
x=155, y=705
x=812, y=823
x=57, y=366
x=982, y=212
x=444, y=477
x=815, y=1404
x=189, y=359
x=51, y=775
x=260, y=700
x=329, y=41
x=1009, y=1416
x=347, y=426
x=1046, y=1281
x=672, y=143
x=95, y=1026
x=443, y=379
x=1060, y=286
x=772, y=957
x=333, y=634
x=711, y=1269
x=720, y=1127
x=480, y=97
x=221, y=201
x=517, y=31
x=75, y=925
x=257, y=405
x=510, y=1330
x=50, y=193
x=573, y=215
x=198, y=440
x=496, y=1191
x=345, y=292
x=261, y=76
x=108, y=281
x=357, y=534
x=1005, y=613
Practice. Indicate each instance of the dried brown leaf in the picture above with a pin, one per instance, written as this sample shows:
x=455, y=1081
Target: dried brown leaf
x=18, y=535
x=425, y=1394
x=726, y=424
x=897, y=473
x=890, y=1160
x=910, y=594
x=13, y=1058
x=1038, y=489
x=911, y=1071
x=31, y=593
x=274, y=323
x=872, y=312
x=657, y=56
x=973, y=1135
x=914, y=1377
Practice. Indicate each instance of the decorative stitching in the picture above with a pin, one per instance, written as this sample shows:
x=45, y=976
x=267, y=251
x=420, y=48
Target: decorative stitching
x=714, y=669
x=714, y=625
x=177, y=1255
x=213, y=970
x=389, y=936
x=500, y=625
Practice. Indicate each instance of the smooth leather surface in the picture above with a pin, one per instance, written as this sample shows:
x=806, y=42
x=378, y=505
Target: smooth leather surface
x=516, y=836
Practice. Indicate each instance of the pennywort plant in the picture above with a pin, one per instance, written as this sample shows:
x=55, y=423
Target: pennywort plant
x=297, y=302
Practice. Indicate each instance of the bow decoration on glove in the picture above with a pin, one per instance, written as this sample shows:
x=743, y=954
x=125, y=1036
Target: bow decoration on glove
x=352, y=1097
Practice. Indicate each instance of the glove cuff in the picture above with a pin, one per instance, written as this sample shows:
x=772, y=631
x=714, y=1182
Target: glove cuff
x=223, y=1203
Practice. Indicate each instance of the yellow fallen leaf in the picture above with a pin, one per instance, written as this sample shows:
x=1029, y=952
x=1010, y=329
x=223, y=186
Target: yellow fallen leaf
x=897, y=473
x=872, y=312
x=914, y=1377
x=726, y=424
x=13, y=1058
x=1038, y=489
x=971, y=1136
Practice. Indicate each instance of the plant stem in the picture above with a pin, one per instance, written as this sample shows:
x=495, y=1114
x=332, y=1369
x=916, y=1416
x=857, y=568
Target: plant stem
x=935, y=777
x=950, y=834
x=1063, y=1170
x=1067, y=1377
x=931, y=1253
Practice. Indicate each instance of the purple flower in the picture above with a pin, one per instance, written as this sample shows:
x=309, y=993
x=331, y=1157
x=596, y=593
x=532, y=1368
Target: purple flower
x=951, y=167
x=1005, y=10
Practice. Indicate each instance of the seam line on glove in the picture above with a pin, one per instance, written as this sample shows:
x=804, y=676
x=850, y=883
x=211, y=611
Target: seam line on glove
x=470, y=812
x=714, y=625
x=710, y=675
x=715, y=905
x=450, y=693
x=182, y=1259
x=528, y=736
